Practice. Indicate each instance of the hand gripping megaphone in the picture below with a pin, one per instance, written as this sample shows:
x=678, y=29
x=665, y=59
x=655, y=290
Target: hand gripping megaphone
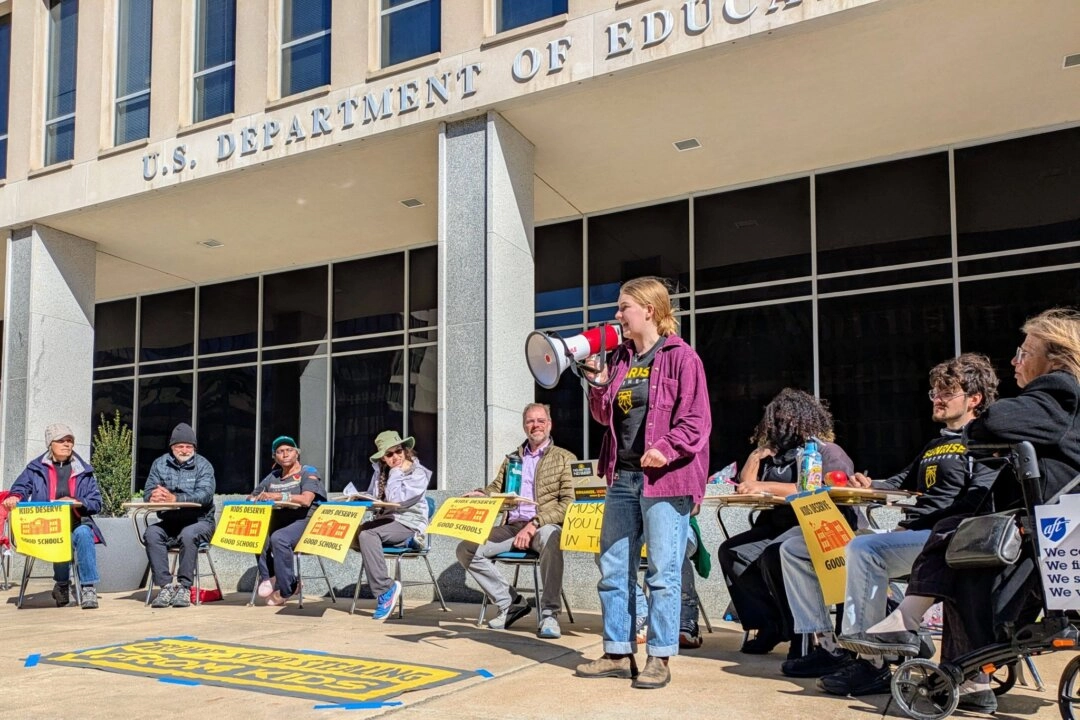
x=549, y=355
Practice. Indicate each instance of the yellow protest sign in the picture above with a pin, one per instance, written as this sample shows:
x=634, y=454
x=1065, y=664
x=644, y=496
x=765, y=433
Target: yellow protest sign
x=243, y=526
x=317, y=676
x=43, y=530
x=331, y=529
x=581, y=528
x=826, y=533
x=466, y=518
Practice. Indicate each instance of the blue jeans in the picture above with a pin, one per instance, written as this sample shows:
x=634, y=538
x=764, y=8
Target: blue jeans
x=662, y=524
x=871, y=561
x=82, y=537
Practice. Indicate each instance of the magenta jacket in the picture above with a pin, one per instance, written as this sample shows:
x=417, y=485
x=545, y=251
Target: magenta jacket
x=678, y=422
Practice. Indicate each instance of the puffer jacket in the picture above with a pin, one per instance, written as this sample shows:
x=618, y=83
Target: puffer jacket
x=32, y=485
x=192, y=481
x=553, y=485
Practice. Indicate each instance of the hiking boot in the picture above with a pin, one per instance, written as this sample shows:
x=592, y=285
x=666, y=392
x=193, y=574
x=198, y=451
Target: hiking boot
x=655, y=675
x=762, y=643
x=61, y=593
x=816, y=663
x=89, y=597
x=182, y=597
x=164, y=597
x=858, y=678
x=509, y=616
x=983, y=701
x=386, y=602
x=549, y=628
x=613, y=666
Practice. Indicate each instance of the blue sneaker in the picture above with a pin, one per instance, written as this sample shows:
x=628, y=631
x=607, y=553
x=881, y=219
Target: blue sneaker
x=387, y=601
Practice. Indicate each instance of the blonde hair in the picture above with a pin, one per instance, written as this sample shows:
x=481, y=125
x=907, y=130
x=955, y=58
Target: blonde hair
x=652, y=291
x=1059, y=329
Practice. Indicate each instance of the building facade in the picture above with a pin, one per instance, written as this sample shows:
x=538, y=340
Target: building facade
x=329, y=218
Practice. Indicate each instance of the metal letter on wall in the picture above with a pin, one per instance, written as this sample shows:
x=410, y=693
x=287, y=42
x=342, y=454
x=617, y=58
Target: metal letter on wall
x=519, y=72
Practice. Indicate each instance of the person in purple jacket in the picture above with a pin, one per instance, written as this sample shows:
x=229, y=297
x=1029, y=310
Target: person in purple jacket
x=655, y=458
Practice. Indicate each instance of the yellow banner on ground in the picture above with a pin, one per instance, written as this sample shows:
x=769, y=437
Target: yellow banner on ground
x=826, y=533
x=466, y=518
x=43, y=530
x=306, y=674
x=581, y=528
x=331, y=529
x=243, y=526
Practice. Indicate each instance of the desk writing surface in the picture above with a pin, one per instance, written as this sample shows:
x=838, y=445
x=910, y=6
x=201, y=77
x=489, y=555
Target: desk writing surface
x=159, y=506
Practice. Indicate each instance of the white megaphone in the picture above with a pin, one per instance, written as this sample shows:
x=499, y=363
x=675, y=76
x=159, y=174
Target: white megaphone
x=549, y=355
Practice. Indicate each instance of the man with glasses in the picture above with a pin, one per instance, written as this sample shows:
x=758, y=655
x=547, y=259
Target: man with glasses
x=180, y=475
x=545, y=478
x=948, y=485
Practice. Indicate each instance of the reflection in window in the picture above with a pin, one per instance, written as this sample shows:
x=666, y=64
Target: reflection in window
x=884, y=214
x=229, y=316
x=108, y=397
x=226, y=427
x=305, y=45
x=369, y=295
x=5, y=85
x=1018, y=193
x=410, y=29
x=423, y=287
x=750, y=355
x=423, y=395
x=365, y=403
x=876, y=351
x=294, y=404
x=114, y=333
x=167, y=325
x=510, y=14
x=753, y=235
x=133, y=42
x=558, y=266
x=624, y=245
x=567, y=402
x=215, y=58
x=60, y=85
x=163, y=402
x=294, y=306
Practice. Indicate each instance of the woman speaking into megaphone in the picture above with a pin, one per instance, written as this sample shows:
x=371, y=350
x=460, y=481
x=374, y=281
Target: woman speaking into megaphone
x=655, y=458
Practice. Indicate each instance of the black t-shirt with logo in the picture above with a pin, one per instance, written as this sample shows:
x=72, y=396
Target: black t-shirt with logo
x=631, y=408
x=304, y=480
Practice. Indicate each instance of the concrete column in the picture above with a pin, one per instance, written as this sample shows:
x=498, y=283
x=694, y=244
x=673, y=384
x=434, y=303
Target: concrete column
x=48, y=343
x=485, y=295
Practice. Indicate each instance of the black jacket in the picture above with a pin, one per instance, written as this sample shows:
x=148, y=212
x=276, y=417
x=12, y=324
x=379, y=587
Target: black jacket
x=950, y=484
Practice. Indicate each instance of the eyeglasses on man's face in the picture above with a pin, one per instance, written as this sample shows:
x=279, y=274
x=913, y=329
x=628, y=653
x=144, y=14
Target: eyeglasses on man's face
x=943, y=396
x=1021, y=355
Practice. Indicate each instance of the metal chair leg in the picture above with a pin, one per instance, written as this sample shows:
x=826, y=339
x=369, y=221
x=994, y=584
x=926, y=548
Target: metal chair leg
x=438, y=590
x=401, y=595
x=28, y=566
x=326, y=578
x=536, y=590
x=566, y=604
x=356, y=592
x=701, y=609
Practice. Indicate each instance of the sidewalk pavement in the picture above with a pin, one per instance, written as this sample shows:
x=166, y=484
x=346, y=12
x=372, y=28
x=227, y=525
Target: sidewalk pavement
x=532, y=678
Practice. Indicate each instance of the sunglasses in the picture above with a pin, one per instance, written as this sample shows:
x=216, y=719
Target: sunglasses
x=395, y=451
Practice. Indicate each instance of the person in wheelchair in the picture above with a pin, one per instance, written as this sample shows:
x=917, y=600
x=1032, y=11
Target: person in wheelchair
x=960, y=390
x=1046, y=413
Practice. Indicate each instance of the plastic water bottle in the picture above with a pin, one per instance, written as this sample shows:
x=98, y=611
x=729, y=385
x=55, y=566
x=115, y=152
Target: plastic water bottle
x=809, y=467
x=512, y=481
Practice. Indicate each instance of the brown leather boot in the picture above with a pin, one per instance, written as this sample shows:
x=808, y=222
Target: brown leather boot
x=614, y=666
x=655, y=675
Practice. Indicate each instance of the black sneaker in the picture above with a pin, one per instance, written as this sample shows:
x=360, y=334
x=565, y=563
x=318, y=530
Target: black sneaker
x=904, y=643
x=858, y=678
x=816, y=663
x=61, y=593
x=762, y=643
x=983, y=701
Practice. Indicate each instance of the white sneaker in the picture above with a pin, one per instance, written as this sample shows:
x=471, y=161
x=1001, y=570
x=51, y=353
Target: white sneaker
x=549, y=628
x=266, y=588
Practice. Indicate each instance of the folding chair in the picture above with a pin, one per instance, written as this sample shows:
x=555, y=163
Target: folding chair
x=27, y=575
x=518, y=559
x=406, y=553
x=174, y=558
x=301, y=577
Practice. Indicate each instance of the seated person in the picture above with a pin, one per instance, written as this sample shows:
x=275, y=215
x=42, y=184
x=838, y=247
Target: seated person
x=1046, y=413
x=961, y=389
x=751, y=560
x=180, y=475
x=546, y=478
x=291, y=482
x=397, y=477
x=60, y=474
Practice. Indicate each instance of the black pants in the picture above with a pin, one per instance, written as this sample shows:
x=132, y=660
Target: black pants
x=751, y=565
x=184, y=534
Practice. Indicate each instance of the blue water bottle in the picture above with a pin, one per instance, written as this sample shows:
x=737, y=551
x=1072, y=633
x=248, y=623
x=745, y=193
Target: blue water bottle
x=809, y=467
x=512, y=480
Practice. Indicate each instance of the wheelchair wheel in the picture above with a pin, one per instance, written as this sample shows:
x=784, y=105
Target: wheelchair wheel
x=1003, y=679
x=924, y=691
x=1069, y=690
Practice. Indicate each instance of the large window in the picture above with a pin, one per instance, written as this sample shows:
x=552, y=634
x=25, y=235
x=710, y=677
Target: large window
x=60, y=84
x=134, y=38
x=410, y=29
x=510, y=14
x=305, y=45
x=215, y=58
x=5, y=84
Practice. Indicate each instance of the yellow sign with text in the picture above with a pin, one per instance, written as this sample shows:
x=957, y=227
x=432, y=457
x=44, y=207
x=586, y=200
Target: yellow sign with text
x=581, y=528
x=466, y=518
x=243, y=526
x=331, y=529
x=316, y=676
x=43, y=530
x=827, y=534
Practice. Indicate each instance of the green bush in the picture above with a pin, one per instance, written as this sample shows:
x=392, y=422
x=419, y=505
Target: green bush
x=111, y=459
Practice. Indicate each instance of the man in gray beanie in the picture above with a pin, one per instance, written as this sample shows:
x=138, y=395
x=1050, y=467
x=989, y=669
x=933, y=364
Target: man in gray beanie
x=180, y=475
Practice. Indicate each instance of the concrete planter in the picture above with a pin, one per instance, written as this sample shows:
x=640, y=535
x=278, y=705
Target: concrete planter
x=122, y=561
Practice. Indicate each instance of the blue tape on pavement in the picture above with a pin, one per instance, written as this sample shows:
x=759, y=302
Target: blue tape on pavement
x=359, y=706
x=314, y=652
x=32, y=660
x=178, y=681
x=484, y=673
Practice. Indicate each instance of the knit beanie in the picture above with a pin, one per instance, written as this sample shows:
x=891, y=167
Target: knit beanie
x=183, y=433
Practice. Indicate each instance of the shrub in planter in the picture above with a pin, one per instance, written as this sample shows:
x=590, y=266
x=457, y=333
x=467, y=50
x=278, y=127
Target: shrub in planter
x=122, y=560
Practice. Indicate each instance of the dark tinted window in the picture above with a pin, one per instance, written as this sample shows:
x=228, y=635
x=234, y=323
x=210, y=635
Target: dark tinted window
x=558, y=266
x=167, y=325
x=369, y=295
x=294, y=404
x=229, y=316
x=215, y=55
x=294, y=306
x=367, y=400
x=409, y=30
x=305, y=52
x=114, y=333
x=423, y=287
x=5, y=84
x=163, y=402
x=651, y=240
x=567, y=402
x=423, y=402
x=226, y=426
x=515, y=13
x=108, y=397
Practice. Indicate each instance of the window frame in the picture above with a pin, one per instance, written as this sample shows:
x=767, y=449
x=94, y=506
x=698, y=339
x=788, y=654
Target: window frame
x=284, y=45
x=384, y=45
x=6, y=20
x=60, y=119
x=196, y=73
x=120, y=99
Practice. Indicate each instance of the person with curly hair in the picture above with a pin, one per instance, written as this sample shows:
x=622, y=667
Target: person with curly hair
x=751, y=560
